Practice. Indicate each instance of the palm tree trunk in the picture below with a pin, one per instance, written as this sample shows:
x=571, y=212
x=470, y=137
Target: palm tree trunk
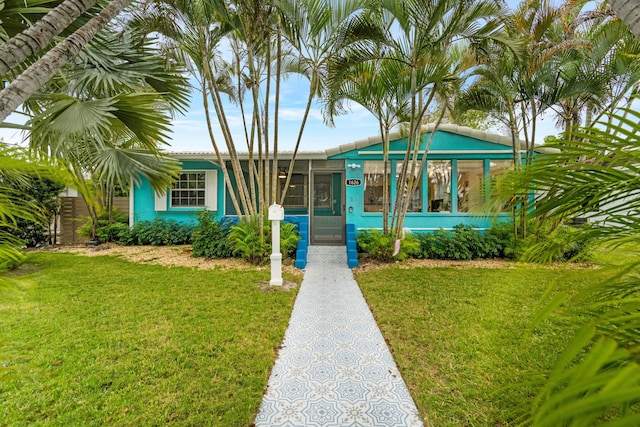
x=274, y=177
x=223, y=164
x=629, y=13
x=35, y=38
x=305, y=116
x=384, y=132
x=40, y=72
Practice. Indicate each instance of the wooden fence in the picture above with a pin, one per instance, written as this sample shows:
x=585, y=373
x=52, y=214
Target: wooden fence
x=74, y=214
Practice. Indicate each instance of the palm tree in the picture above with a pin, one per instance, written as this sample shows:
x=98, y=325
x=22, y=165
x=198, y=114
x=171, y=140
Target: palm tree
x=16, y=165
x=594, y=175
x=516, y=89
x=316, y=31
x=591, y=82
x=629, y=12
x=304, y=34
x=114, y=117
x=390, y=107
x=421, y=36
x=42, y=70
x=37, y=36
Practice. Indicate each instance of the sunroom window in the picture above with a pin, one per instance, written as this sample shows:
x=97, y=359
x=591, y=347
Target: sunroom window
x=373, y=185
x=497, y=168
x=415, y=199
x=439, y=175
x=470, y=178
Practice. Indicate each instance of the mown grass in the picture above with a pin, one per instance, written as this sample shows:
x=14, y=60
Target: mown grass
x=463, y=338
x=98, y=340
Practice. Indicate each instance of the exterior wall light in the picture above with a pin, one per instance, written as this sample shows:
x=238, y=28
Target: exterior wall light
x=353, y=165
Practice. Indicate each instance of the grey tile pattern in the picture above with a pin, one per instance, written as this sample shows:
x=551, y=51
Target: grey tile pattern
x=327, y=255
x=334, y=367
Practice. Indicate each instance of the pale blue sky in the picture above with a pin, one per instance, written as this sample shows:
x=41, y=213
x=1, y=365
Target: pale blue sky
x=190, y=131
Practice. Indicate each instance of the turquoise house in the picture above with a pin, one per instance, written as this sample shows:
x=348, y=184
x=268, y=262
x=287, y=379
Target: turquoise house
x=337, y=192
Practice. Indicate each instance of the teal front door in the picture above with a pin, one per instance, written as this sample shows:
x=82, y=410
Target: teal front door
x=327, y=210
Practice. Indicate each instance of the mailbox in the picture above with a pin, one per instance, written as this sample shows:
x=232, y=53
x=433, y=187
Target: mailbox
x=276, y=213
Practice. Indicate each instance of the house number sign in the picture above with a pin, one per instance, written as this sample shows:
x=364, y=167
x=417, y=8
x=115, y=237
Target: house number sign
x=354, y=182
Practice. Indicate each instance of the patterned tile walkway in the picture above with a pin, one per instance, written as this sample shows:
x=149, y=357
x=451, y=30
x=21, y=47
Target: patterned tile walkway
x=334, y=368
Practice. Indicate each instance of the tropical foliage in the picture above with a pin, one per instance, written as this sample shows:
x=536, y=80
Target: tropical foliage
x=580, y=64
x=159, y=232
x=249, y=243
x=16, y=207
x=101, y=113
x=123, y=93
x=45, y=192
x=419, y=55
x=211, y=238
x=594, y=175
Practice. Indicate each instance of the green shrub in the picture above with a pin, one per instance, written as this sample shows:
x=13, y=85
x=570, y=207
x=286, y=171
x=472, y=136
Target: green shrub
x=381, y=246
x=500, y=238
x=107, y=229
x=116, y=232
x=160, y=232
x=247, y=243
x=211, y=238
x=562, y=244
x=289, y=238
x=465, y=243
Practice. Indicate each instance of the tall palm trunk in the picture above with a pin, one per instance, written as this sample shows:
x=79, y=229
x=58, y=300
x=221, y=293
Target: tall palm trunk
x=629, y=12
x=41, y=71
x=305, y=116
x=274, y=177
x=36, y=37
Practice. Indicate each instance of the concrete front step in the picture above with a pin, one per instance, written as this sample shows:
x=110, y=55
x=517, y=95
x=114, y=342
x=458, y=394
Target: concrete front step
x=327, y=255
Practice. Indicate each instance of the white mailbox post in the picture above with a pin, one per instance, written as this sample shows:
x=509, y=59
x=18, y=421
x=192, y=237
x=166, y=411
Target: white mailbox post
x=276, y=214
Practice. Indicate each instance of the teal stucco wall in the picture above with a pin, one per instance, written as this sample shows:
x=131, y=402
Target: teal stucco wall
x=144, y=198
x=445, y=146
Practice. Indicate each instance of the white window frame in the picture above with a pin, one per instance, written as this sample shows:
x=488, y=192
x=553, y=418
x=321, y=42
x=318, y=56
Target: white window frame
x=163, y=201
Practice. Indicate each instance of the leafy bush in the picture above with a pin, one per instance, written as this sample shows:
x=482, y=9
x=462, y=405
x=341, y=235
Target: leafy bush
x=160, y=232
x=500, y=238
x=116, y=232
x=211, y=238
x=247, y=243
x=107, y=230
x=465, y=243
x=289, y=238
x=564, y=243
x=43, y=194
x=381, y=246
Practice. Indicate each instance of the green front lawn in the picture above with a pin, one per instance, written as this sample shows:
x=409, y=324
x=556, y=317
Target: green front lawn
x=463, y=339
x=98, y=340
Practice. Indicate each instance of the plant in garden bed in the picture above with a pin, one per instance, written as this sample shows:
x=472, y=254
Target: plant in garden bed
x=211, y=238
x=382, y=247
x=562, y=244
x=108, y=228
x=159, y=232
x=249, y=244
x=464, y=243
